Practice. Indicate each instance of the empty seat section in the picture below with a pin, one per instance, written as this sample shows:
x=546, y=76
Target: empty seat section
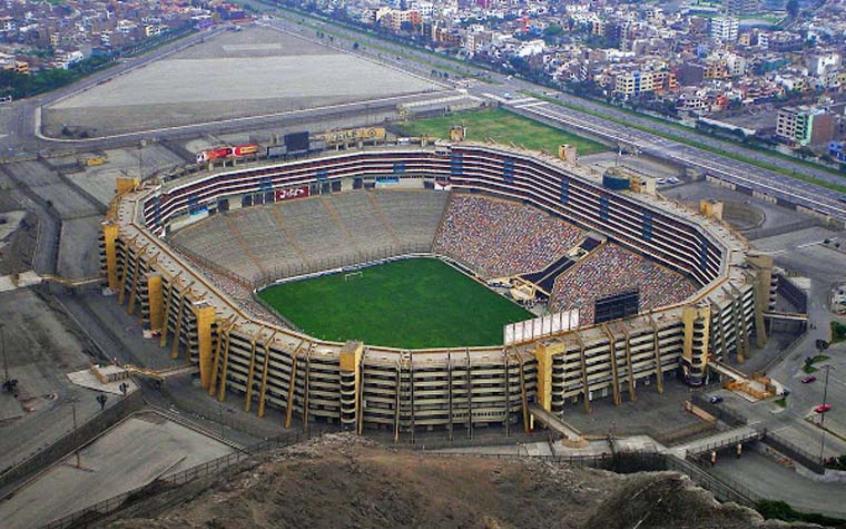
x=414, y=215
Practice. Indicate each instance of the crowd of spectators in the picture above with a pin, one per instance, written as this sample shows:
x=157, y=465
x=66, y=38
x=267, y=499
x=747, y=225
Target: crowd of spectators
x=498, y=238
x=612, y=270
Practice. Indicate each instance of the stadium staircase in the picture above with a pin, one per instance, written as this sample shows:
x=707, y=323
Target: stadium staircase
x=447, y=208
x=336, y=218
x=384, y=218
x=233, y=228
x=544, y=280
x=277, y=214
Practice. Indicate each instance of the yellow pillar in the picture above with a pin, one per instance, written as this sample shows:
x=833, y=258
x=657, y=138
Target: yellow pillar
x=126, y=185
x=110, y=235
x=350, y=367
x=763, y=265
x=612, y=357
x=156, y=300
x=248, y=394
x=205, y=318
x=697, y=326
x=656, y=351
x=264, y=374
x=543, y=355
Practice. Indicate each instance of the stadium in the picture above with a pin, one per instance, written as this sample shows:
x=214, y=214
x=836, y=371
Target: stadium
x=650, y=290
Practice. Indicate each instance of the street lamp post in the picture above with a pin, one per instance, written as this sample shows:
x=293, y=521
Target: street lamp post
x=828, y=368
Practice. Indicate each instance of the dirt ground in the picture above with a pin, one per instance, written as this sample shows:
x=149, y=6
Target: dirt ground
x=258, y=71
x=343, y=481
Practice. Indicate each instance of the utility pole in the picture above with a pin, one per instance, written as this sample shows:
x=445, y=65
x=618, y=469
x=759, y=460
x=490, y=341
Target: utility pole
x=828, y=368
x=5, y=360
x=73, y=407
x=141, y=146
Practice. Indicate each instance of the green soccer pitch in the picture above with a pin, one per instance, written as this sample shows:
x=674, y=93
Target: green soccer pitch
x=412, y=303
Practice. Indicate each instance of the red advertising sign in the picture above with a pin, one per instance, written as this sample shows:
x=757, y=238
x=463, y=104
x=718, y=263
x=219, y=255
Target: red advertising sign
x=291, y=193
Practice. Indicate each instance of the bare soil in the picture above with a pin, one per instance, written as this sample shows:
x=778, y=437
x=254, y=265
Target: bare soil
x=343, y=481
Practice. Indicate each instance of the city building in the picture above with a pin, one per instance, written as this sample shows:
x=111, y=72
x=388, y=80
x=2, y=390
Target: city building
x=805, y=126
x=724, y=29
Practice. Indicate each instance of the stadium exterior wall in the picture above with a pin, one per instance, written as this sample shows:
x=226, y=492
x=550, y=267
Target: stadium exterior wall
x=458, y=389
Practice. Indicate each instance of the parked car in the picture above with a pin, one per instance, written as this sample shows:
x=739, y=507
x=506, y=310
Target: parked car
x=808, y=379
x=715, y=400
x=822, y=408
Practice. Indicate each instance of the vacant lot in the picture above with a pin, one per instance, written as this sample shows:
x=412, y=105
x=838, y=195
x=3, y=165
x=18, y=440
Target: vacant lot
x=254, y=72
x=414, y=303
x=503, y=127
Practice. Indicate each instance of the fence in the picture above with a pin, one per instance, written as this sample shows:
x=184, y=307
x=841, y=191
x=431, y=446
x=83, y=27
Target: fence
x=760, y=233
x=353, y=259
x=730, y=442
x=626, y=462
x=722, y=489
x=795, y=453
x=722, y=413
x=622, y=462
x=211, y=265
x=209, y=468
x=73, y=440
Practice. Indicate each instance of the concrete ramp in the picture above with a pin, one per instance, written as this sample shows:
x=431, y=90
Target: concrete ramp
x=570, y=436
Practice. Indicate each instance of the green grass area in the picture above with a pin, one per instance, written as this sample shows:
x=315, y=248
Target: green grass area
x=782, y=402
x=810, y=361
x=841, y=188
x=838, y=332
x=503, y=127
x=413, y=303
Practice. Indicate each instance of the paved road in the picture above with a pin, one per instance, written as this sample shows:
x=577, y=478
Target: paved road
x=23, y=116
x=771, y=480
x=740, y=173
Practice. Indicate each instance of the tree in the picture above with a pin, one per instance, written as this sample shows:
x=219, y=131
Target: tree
x=355, y=45
x=792, y=8
x=809, y=364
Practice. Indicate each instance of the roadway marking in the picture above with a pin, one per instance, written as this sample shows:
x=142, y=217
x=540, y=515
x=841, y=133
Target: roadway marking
x=494, y=97
x=524, y=101
x=809, y=196
x=809, y=244
x=532, y=104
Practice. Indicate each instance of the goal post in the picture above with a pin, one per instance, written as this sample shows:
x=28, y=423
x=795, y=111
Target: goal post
x=358, y=274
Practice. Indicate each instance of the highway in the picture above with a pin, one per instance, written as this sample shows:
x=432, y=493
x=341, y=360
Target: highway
x=743, y=175
x=746, y=175
x=20, y=118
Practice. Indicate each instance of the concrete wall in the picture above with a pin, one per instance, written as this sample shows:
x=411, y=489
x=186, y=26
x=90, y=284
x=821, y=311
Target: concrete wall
x=72, y=441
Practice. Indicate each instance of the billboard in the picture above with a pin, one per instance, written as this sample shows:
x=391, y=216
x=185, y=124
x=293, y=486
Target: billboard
x=616, y=306
x=528, y=330
x=342, y=137
x=296, y=142
x=292, y=193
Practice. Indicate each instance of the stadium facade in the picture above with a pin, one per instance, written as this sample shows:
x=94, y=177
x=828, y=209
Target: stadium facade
x=364, y=386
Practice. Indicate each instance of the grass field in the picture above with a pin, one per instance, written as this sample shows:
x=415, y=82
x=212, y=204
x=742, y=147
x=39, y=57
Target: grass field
x=503, y=127
x=413, y=303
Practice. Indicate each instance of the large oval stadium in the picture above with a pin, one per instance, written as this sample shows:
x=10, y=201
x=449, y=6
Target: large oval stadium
x=243, y=270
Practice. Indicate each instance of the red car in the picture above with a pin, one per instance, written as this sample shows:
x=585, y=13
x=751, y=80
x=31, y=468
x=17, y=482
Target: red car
x=822, y=408
x=808, y=379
